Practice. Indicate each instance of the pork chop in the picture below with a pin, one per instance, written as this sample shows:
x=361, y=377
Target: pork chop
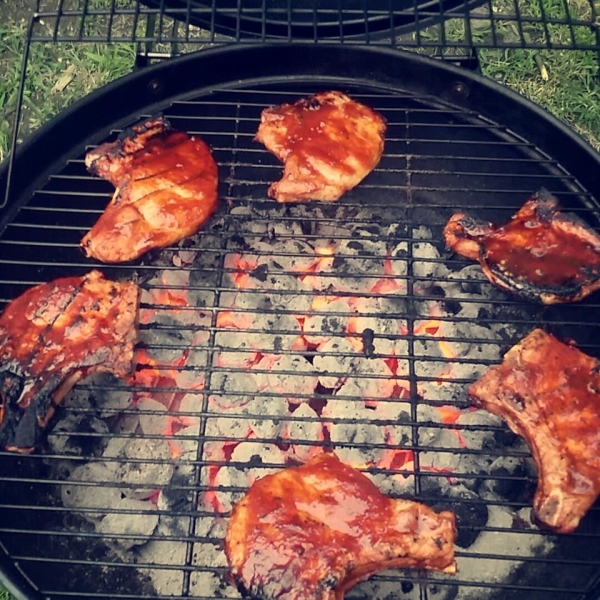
x=549, y=393
x=166, y=190
x=542, y=254
x=312, y=532
x=52, y=336
x=328, y=142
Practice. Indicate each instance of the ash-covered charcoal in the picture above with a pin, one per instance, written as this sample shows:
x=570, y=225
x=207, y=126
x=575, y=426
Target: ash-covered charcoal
x=130, y=523
x=231, y=390
x=371, y=380
x=303, y=436
x=326, y=320
x=505, y=540
x=78, y=434
x=380, y=589
x=358, y=263
x=166, y=581
x=153, y=416
x=337, y=358
x=167, y=336
x=226, y=484
x=92, y=486
x=213, y=583
x=288, y=373
x=144, y=465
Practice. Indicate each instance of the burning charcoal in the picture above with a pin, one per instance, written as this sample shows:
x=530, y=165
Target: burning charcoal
x=310, y=430
x=369, y=379
x=503, y=541
x=232, y=390
x=153, y=417
x=398, y=264
x=228, y=427
x=210, y=585
x=264, y=426
x=382, y=590
x=288, y=373
x=77, y=495
x=166, y=582
x=507, y=480
x=68, y=436
x=191, y=404
x=427, y=263
x=478, y=439
x=145, y=466
x=331, y=319
x=138, y=522
x=166, y=337
x=184, y=445
x=336, y=356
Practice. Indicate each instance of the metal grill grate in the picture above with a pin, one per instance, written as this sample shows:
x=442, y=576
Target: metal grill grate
x=397, y=23
x=438, y=159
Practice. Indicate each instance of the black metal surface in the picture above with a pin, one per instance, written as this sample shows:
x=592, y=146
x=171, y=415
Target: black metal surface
x=312, y=20
x=496, y=23
x=455, y=141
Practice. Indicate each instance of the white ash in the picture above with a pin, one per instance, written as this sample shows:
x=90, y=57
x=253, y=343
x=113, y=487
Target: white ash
x=136, y=526
x=145, y=465
x=232, y=390
x=398, y=262
x=89, y=487
x=336, y=358
x=186, y=442
x=153, y=416
x=286, y=373
x=189, y=406
x=68, y=437
x=475, y=568
x=381, y=589
x=210, y=585
x=165, y=342
x=299, y=431
x=331, y=319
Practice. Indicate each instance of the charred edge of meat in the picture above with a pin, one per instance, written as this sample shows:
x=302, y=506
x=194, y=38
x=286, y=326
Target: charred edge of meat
x=533, y=293
x=147, y=129
x=20, y=429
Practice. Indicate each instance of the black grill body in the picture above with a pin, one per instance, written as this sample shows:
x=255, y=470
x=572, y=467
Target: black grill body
x=454, y=142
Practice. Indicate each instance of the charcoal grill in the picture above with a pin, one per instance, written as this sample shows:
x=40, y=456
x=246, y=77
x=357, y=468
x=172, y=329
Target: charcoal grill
x=128, y=496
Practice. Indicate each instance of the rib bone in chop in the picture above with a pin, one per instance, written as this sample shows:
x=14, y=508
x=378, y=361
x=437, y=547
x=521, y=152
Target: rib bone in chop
x=542, y=254
x=166, y=190
x=312, y=532
x=549, y=393
x=52, y=336
x=328, y=142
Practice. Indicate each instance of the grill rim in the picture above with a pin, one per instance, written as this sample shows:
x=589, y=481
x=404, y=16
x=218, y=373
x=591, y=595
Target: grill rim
x=149, y=89
x=145, y=81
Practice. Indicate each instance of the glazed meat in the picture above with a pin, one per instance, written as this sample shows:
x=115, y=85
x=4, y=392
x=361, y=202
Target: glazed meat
x=52, y=336
x=166, y=190
x=312, y=532
x=328, y=142
x=541, y=254
x=549, y=393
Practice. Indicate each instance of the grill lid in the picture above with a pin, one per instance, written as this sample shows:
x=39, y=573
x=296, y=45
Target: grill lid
x=313, y=19
x=454, y=142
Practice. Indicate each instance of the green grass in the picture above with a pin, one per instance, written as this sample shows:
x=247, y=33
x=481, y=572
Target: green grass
x=58, y=75
x=564, y=82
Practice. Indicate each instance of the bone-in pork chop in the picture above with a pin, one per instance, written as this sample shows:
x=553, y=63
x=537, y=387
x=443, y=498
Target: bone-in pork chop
x=541, y=254
x=549, y=393
x=312, y=532
x=328, y=142
x=166, y=190
x=52, y=336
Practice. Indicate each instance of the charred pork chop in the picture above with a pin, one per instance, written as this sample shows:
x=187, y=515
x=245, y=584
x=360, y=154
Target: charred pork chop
x=312, y=532
x=328, y=142
x=549, y=393
x=166, y=190
x=541, y=254
x=52, y=336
